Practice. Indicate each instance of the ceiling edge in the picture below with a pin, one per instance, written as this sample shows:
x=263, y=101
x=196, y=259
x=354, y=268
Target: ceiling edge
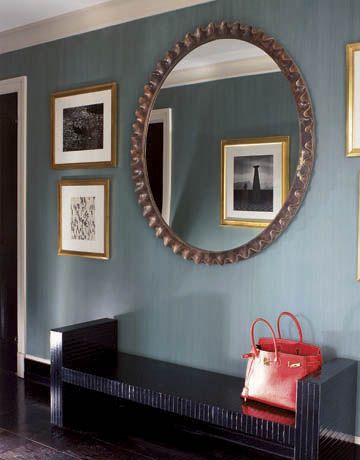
x=86, y=20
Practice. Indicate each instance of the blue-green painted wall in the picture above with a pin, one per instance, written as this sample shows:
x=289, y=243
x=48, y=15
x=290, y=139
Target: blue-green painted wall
x=203, y=115
x=169, y=308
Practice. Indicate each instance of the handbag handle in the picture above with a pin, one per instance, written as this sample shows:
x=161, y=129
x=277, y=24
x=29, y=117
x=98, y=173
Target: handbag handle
x=297, y=324
x=262, y=320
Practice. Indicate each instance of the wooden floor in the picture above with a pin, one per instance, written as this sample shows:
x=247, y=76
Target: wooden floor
x=25, y=433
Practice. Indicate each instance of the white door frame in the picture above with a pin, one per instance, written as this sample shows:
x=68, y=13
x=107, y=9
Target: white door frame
x=19, y=85
x=164, y=116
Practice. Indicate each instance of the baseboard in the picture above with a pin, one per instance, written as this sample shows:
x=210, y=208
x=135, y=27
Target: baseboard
x=37, y=371
x=38, y=359
x=346, y=438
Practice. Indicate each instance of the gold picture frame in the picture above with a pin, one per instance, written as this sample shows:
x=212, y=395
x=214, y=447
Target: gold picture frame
x=68, y=245
x=229, y=216
x=358, y=250
x=109, y=135
x=352, y=95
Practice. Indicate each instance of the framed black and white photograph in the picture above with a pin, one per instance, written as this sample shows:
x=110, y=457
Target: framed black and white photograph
x=83, y=218
x=84, y=127
x=255, y=180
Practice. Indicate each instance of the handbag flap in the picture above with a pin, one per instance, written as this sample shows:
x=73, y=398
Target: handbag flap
x=289, y=346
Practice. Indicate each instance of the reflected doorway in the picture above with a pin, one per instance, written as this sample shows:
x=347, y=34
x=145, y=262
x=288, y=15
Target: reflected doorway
x=8, y=231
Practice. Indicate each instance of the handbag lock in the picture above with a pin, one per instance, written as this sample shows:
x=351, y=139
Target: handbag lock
x=293, y=365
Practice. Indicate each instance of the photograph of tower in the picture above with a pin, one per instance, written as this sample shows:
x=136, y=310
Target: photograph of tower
x=254, y=180
x=254, y=183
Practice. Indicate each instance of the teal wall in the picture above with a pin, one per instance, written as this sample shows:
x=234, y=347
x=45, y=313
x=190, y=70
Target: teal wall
x=170, y=308
x=203, y=115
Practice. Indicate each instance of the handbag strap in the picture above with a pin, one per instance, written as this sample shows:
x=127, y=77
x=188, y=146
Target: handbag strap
x=262, y=320
x=297, y=324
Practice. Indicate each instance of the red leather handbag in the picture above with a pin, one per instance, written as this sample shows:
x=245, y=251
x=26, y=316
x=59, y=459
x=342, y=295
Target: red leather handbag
x=276, y=364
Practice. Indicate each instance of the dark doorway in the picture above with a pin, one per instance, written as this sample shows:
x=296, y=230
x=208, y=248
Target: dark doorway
x=154, y=161
x=8, y=232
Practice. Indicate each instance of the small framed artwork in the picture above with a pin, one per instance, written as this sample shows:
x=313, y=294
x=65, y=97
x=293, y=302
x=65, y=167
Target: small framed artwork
x=84, y=127
x=83, y=218
x=254, y=180
x=358, y=254
x=353, y=100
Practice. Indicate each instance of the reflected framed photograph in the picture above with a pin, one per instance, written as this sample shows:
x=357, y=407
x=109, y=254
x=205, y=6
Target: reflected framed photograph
x=83, y=127
x=83, y=218
x=353, y=100
x=254, y=180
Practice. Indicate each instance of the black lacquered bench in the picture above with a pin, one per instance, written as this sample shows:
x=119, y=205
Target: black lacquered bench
x=85, y=356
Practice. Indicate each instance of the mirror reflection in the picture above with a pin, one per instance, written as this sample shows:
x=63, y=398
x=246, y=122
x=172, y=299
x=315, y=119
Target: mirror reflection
x=222, y=145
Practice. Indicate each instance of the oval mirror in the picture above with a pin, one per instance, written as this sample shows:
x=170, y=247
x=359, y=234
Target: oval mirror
x=223, y=144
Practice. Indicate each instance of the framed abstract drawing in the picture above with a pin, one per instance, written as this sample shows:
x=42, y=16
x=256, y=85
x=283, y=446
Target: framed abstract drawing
x=254, y=180
x=83, y=127
x=83, y=218
x=353, y=100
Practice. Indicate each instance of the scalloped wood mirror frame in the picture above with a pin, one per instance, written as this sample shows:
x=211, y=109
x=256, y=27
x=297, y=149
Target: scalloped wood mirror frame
x=224, y=30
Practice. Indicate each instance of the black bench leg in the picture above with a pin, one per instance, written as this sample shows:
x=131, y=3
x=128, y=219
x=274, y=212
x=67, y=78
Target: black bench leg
x=307, y=421
x=56, y=393
x=77, y=345
x=325, y=414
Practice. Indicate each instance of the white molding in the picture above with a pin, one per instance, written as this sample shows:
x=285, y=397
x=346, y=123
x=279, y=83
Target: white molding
x=38, y=359
x=220, y=71
x=339, y=436
x=19, y=85
x=164, y=116
x=20, y=365
x=87, y=19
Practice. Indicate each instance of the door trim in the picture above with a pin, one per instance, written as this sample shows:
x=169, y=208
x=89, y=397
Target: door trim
x=164, y=116
x=19, y=85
